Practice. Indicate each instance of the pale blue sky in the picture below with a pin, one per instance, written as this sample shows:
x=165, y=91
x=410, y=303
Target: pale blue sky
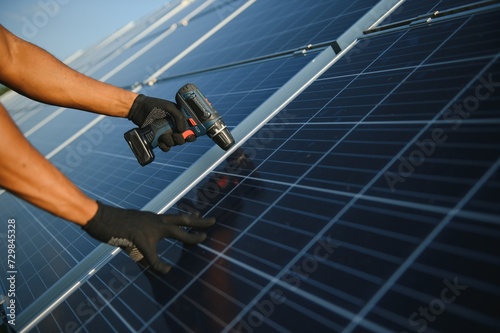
x=64, y=26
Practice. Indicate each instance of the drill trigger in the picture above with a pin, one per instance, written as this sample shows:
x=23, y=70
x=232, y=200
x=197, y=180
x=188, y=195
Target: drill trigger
x=187, y=134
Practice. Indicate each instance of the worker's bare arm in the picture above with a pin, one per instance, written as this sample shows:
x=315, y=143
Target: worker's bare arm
x=37, y=74
x=26, y=173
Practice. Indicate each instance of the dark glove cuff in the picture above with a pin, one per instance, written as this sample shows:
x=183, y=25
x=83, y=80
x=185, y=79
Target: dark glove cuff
x=136, y=114
x=107, y=223
x=94, y=225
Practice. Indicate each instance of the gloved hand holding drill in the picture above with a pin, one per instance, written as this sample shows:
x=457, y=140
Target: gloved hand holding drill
x=158, y=119
x=29, y=175
x=146, y=110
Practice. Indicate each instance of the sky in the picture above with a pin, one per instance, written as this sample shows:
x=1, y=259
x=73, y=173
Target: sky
x=63, y=27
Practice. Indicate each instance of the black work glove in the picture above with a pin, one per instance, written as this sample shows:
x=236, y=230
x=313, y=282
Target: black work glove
x=145, y=110
x=138, y=232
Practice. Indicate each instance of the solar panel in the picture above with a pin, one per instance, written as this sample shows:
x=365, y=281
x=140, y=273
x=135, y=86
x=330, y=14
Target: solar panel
x=366, y=201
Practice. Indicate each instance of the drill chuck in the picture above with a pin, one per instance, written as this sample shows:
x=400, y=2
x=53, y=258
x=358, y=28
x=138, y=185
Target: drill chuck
x=201, y=117
x=221, y=135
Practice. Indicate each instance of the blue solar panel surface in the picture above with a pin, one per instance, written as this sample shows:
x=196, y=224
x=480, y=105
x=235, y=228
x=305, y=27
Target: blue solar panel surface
x=410, y=9
x=100, y=162
x=367, y=204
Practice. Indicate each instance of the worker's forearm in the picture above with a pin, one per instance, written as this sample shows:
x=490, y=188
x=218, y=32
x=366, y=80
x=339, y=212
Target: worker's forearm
x=27, y=174
x=37, y=74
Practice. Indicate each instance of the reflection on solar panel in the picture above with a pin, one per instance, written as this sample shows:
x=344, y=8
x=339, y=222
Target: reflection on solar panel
x=362, y=194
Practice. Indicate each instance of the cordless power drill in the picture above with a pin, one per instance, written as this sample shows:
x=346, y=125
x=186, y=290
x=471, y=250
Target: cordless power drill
x=202, y=118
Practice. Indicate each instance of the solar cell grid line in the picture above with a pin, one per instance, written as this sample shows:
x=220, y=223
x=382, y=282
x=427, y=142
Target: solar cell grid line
x=108, y=75
x=316, y=237
x=12, y=108
x=143, y=49
x=405, y=204
x=397, y=274
x=171, y=22
x=273, y=104
x=56, y=113
x=122, y=319
x=347, y=9
x=109, y=49
x=30, y=213
x=187, y=37
x=202, y=39
x=28, y=119
x=168, y=159
x=160, y=37
x=151, y=23
x=414, y=8
x=252, y=269
x=487, y=288
x=227, y=48
x=314, y=299
x=149, y=298
x=53, y=115
x=491, y=219
x=20, y=106
x=114, y=70
x=37, y=248
x=345, y=40
x=315, y=36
